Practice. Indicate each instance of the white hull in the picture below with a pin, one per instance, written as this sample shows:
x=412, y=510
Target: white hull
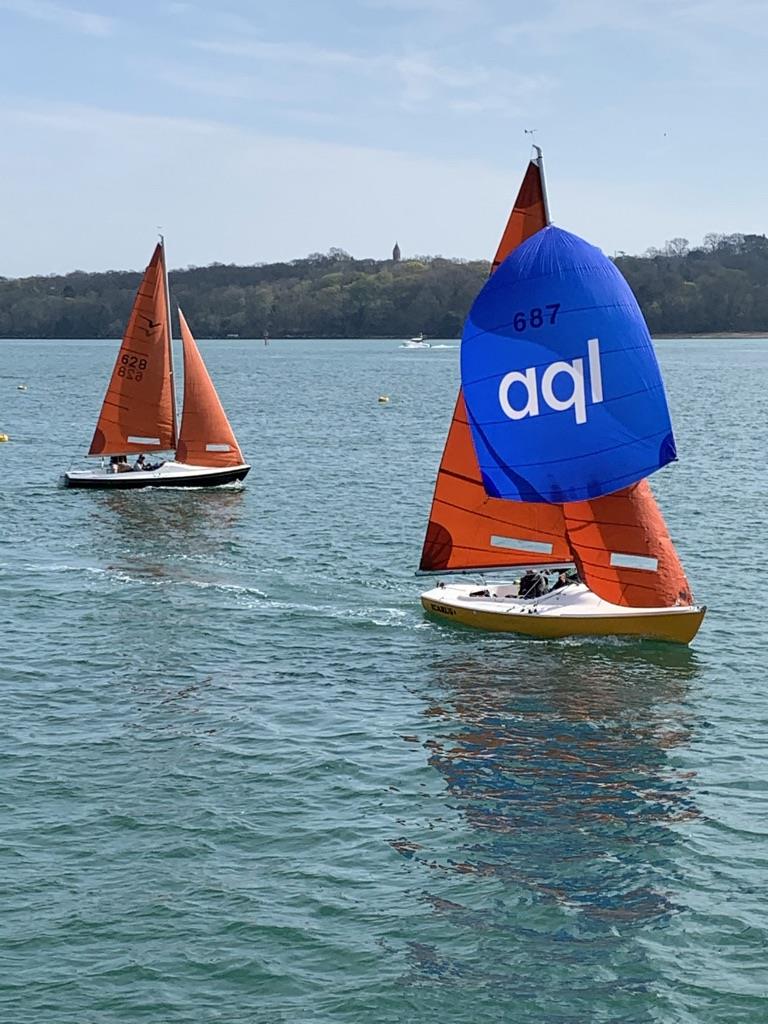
x=169, y=474
x=570, y=611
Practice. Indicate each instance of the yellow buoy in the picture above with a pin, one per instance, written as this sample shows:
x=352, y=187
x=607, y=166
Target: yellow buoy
x=383, y=399
x=4, y=437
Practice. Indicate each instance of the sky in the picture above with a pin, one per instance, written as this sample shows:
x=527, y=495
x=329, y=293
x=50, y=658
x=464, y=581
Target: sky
x=259, y=131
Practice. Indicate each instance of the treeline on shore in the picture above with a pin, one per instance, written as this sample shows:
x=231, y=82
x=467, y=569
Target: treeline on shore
x=718, y=287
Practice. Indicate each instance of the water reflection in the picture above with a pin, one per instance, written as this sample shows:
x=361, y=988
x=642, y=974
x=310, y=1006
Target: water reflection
x=166, y=534
x=557, y=758
x=172, y=515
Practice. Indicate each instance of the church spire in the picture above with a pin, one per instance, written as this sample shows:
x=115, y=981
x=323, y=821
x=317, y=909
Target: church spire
x=396, y=253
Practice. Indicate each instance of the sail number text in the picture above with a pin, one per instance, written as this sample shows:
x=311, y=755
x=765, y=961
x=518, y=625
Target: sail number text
x=131, y=367
x=536, y=317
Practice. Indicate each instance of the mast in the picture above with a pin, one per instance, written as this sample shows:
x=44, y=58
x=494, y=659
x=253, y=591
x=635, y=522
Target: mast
x=539, y=161
x=170, y=341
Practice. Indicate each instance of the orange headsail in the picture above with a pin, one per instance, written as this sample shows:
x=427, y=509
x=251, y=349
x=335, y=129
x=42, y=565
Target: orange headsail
x=138, y=410
x=205, y=437
x=467, y=529
x=623, y=550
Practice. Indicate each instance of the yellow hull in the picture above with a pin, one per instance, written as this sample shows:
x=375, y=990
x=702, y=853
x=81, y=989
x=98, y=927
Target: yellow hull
x=678, y=626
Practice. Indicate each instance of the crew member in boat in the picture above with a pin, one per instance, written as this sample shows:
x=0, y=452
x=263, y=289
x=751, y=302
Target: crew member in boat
x=561, y=581
x=140, y=464
x=119, y=464
x=565, y=578
x=532, y=584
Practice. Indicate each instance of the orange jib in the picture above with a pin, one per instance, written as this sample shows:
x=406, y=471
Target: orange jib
x=206, y=437
x=623, y=550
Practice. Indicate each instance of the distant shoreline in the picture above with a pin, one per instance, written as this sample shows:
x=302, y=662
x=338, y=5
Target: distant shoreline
x=683, y=336
x=714, y=335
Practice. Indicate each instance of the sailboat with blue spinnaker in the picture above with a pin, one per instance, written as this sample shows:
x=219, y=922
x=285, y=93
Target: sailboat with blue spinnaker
x=560, y=419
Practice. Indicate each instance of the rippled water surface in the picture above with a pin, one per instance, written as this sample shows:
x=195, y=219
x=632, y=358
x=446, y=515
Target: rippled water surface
x=243, y=779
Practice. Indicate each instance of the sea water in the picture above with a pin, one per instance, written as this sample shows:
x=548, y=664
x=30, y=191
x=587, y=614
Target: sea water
x=244, y=780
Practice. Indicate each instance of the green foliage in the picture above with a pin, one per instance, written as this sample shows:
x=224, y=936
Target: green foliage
x=719, y=287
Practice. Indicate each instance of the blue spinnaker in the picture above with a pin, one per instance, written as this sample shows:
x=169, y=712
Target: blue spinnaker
x=563, y=390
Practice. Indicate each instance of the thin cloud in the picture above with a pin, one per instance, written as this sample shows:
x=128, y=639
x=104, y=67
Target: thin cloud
x=294, y=53
x=266, y=192
x=473, y=89
x=419, y=80
x=84, y=22
x=650, y=17
x=446, y=7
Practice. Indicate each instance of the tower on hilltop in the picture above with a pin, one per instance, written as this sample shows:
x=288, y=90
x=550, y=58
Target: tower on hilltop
x=396, y=253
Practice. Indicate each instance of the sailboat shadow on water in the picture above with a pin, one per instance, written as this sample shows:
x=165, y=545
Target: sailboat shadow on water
x=138, y=415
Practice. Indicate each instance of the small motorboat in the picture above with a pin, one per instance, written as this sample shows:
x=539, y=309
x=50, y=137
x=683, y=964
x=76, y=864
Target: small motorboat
x=417, y=342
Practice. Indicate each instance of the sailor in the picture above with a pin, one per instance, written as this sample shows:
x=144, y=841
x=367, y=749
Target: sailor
x=532, y=584
x=561, y=581
x=139, y=464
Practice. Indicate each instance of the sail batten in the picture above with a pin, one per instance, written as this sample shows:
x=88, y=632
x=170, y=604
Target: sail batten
x=137, y=411
x=205, y=437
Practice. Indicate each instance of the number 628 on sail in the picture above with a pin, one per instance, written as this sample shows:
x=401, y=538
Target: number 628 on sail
x=131, y=367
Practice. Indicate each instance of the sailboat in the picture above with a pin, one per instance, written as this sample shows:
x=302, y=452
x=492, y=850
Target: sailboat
x=138, y=415
x=560, y=419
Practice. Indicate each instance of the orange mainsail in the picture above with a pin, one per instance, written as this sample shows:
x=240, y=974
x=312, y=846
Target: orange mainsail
x=468, y=529
x=529, y=214
x=138, y=411
x=205, y=437
x=620, y=542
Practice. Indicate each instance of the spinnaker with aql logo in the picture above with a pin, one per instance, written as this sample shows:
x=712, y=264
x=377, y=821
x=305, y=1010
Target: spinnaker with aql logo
x=138, y=415
x=561, y=417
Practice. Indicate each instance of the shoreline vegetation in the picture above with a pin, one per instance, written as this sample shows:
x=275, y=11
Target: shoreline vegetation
x=716, y=290
x=711, y=336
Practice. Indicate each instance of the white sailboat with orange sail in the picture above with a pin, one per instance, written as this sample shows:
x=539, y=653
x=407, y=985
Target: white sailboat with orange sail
x=138, y=415
x=560, y=418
